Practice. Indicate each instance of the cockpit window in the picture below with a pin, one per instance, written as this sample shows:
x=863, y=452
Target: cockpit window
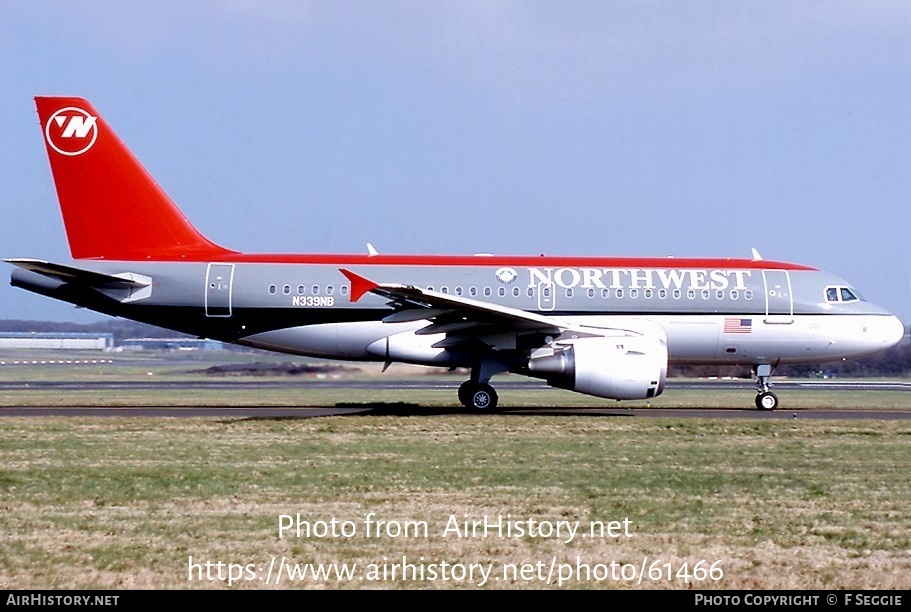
x=848, y=296
x=841, y=295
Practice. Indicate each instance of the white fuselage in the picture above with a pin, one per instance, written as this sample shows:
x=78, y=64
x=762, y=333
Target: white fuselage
x=710, y=314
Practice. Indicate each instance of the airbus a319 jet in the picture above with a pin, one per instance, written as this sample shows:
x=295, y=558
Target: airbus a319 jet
x=603, y=326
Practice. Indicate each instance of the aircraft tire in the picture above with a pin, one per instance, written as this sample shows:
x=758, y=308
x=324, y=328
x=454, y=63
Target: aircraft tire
x=767, y=401
x=481, y=398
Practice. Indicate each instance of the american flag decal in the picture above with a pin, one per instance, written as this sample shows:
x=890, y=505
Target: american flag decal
x=738, y=326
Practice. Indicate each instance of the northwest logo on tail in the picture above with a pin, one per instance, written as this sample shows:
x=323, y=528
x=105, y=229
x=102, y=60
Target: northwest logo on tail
x=71, y=131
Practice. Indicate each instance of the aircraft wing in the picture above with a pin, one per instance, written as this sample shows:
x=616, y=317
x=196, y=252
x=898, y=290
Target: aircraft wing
x=462, y=319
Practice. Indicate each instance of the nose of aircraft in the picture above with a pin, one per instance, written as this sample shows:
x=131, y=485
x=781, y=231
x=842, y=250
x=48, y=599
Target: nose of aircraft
x=892, y=331
x=865, y=335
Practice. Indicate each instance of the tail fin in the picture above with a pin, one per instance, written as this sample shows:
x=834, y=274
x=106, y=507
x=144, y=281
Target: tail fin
x=112, y=208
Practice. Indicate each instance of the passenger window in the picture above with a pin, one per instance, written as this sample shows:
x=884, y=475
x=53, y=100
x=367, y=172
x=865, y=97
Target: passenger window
x=472, y=291
x=272, y=289
x=286, y=289
x=515, y=292
x=633, y=293
x=300, y=290
x=501, y=291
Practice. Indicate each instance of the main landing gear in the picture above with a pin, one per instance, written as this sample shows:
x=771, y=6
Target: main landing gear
x=476, y=394
x=765, y=399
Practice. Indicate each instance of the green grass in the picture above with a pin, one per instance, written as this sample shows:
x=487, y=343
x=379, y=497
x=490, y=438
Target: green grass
x=116, y=503
x=124, y=503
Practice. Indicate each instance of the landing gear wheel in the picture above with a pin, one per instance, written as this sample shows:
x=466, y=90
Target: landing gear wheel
x=767, y=401
x=478, y=397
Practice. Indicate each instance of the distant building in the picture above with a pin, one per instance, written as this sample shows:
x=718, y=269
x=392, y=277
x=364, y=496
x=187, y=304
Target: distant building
x=170, y=344
x=57, y=340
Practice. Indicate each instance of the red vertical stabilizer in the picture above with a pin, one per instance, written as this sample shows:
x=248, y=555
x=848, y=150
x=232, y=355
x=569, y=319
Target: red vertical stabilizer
x=112, y=208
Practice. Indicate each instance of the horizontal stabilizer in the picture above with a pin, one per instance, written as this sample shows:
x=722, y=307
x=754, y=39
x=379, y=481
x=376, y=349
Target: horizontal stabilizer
x=69, y=274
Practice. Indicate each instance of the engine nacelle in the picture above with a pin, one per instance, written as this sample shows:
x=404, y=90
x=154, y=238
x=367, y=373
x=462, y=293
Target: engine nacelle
x=614, y=367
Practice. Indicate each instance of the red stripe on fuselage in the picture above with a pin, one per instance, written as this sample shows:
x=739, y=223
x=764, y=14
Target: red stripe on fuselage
x=505, y=260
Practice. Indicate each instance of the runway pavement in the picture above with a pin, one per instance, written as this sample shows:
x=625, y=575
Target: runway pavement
x=406, y=409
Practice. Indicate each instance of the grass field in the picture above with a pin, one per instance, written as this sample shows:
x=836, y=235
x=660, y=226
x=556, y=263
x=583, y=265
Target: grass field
x=398, y=502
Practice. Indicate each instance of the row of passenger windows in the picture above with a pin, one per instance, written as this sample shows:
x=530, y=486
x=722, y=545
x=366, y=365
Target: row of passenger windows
x=591, y=292
x=833, y=294
x=314, y=290
x=546, y=292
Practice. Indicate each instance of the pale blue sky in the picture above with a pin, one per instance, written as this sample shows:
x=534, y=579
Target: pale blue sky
x=567, y=128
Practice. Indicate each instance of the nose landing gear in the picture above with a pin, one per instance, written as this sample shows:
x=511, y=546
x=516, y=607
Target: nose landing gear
x=765, y=399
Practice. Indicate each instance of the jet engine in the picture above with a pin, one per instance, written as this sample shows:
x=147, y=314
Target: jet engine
x=614, y=367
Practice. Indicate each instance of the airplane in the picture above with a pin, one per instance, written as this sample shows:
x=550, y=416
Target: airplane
x=607, y=327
